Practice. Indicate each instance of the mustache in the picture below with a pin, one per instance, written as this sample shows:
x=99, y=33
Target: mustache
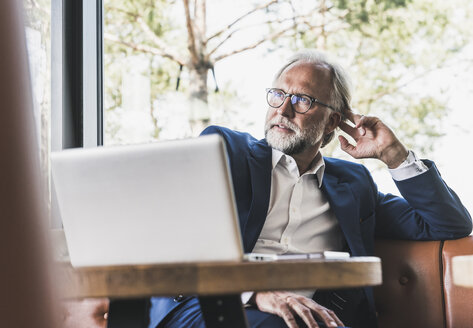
x=282, y=120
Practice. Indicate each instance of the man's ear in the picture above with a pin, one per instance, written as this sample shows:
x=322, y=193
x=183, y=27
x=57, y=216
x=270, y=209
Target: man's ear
x=334, y=120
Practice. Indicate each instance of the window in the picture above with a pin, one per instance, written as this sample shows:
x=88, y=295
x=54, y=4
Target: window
x=158, y=84
x=38, y=38
x=413, y=72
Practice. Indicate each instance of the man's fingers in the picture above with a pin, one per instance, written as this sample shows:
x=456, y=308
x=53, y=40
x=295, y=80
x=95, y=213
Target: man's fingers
x=337, y=320
x=346, y=146
x=353, y=117
x=360, y=123
x=302, y=311
x=367, y=121
x=275, y=303
x=360, y=120
x=285, y=313
x=350, y=116
x=357, y=130
x=288, y=306
x=351, y=131
x=327, y=316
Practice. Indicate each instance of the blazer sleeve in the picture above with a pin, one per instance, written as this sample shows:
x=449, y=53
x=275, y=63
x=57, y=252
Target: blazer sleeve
x=429, y=210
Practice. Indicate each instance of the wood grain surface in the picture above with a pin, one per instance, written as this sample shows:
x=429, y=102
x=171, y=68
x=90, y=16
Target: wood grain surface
x=216, y=278
x=211, y=278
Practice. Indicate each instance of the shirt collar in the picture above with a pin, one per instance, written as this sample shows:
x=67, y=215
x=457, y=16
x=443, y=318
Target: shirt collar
x=317, y=166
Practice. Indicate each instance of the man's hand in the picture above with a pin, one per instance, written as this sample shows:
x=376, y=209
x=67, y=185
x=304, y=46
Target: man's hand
x=373, y=140
x=288, y=305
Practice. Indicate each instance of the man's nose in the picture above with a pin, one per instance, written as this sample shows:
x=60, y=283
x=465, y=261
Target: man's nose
x=286, y=108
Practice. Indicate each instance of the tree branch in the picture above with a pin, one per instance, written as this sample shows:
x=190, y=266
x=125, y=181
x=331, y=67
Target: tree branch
x=254, y=45
x=162, y=46
x=240, y=18
x=190, y=33
x=157, y=40
x=280, y=21
x=143, y=48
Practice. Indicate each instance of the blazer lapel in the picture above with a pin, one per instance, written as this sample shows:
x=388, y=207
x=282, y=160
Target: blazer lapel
x=259, y=163
x=346, y=209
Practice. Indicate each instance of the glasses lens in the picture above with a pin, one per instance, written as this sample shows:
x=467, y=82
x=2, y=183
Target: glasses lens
x=275, y=97
x=300, y=103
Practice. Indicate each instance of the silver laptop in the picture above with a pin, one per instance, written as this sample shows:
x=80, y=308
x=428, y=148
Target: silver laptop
x=156, y=203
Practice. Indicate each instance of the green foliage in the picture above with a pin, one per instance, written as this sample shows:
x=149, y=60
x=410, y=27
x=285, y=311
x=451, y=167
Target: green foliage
x=390, y=47
x=362, y=12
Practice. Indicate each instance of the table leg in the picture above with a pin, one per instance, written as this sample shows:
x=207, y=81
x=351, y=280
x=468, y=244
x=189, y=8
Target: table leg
x=225, y=311
x=128, y=313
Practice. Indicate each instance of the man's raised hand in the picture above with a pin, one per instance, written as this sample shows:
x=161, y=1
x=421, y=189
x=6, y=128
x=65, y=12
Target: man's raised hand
x=374, y=139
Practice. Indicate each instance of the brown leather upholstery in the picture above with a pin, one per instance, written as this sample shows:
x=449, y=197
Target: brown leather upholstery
x=417, y=288
x=411, y=294
x=26, y=298
x=458, y=300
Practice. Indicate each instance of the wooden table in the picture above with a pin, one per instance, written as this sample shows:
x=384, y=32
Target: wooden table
x=218, y=284
x=462, y=269
x=217, y=278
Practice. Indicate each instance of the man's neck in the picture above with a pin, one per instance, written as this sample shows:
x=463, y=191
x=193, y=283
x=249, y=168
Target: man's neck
x=305, y=158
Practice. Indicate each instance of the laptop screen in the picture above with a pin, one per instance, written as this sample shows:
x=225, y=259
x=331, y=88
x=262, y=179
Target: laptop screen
x=155, y=203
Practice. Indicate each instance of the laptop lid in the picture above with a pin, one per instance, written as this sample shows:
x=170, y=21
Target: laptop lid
x=155, y=203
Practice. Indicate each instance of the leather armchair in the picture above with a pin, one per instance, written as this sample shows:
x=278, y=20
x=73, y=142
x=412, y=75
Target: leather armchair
x=417, y=289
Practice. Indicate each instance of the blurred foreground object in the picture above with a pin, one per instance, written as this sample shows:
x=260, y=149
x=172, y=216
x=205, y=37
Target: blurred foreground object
x=26, y=297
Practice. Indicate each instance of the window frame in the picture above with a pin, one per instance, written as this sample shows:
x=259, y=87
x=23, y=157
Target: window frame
x=76, y=79
x=76, y=74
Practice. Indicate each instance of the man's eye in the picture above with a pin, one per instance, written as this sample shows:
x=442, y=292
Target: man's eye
x=278, y=94
x=303, y=100
x=299, y=100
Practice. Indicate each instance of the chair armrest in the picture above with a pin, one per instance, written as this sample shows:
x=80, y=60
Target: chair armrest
x=418, y=288
x=458, y=300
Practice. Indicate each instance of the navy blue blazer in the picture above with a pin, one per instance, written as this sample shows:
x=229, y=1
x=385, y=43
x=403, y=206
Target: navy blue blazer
x=429, y=209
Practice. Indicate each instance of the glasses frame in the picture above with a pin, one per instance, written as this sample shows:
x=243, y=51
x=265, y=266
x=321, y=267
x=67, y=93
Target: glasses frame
x=286, y=95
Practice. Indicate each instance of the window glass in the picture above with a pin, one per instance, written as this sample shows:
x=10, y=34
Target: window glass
x=38, y=38
x=173, y=67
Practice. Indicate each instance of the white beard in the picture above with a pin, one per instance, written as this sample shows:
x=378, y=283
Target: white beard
x=295, y=142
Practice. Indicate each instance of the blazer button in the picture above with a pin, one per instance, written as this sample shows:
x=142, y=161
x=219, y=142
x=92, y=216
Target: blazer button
x=178, y=298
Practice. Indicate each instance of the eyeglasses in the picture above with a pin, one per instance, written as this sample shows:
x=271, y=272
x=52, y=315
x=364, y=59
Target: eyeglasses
x=300, y=103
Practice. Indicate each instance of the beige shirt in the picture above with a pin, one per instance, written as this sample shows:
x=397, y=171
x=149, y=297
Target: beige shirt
x=299, y=218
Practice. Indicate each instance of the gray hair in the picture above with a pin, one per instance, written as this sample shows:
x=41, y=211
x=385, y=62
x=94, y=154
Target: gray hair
x=340, y=94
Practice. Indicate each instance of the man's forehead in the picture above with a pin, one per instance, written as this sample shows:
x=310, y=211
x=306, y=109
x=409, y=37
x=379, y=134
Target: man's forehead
x=305, y=75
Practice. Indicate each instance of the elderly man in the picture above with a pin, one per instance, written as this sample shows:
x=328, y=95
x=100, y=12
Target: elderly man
x=290, y=199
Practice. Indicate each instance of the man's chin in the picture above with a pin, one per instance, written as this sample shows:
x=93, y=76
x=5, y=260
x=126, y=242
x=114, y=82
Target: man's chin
x=287, y=147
